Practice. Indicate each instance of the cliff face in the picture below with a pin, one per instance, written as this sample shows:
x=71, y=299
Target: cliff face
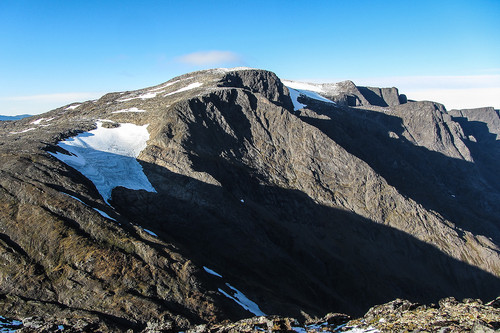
x=318, y=209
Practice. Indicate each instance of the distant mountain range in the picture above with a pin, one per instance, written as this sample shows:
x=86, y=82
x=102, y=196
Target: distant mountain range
x=14, y=117
x=229, y=193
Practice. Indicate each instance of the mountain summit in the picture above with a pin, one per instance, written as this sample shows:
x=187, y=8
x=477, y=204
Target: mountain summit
x=223, y=194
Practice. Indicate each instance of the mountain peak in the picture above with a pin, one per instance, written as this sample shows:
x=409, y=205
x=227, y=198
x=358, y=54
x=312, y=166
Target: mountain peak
x=304, y=200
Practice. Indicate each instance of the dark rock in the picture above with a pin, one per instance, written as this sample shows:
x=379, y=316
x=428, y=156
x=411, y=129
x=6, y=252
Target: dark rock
x=373, y=96
x=336, y=319
x=403, y=99
x=260, y=82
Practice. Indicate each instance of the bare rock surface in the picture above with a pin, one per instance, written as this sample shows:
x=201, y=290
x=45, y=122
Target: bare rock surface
x=303, y=212
x=449, y=315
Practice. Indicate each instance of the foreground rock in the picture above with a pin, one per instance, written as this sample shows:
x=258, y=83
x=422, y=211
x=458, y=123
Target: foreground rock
x=449, y=315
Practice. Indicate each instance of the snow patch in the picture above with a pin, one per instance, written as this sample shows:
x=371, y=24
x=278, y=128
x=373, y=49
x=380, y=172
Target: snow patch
x=107, y=156
x=69, y=195
x=303, y=86
x=72, y=107
x=299, y=329
x=294, y=95
x=209, y=271
x=150, y=232
x=103, y=214
x=143, y=96
x=24, y=131
x=97, y=210
x=9, y=325
x=147, y=95
x=243, y=301
x=134, y=109
x=362, y=330
x=188, y=87
x=317, y=326
x=316, y=96
x=38, y=121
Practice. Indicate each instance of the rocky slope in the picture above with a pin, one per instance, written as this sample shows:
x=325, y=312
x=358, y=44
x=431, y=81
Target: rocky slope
x=304, y=205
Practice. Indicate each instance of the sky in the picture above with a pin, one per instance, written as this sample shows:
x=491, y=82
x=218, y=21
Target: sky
x=53, y=53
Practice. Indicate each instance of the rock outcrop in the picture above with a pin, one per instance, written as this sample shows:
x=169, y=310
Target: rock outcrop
x=449, y=315
x=326, y=208
x=346, y=93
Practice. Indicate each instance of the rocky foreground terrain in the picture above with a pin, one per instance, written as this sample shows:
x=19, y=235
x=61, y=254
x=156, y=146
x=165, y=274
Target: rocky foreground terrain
x=449, y=315
x=222, y=195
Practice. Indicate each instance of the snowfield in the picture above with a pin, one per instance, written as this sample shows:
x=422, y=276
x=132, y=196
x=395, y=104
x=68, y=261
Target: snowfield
x=242, y=300
x=294, y=95
x=23, y=131
x=134, y=109
x=143, y=96
x=107, y=156
x=188, y=87
x=302, y=86
x=72, y=107
x=298, y=89
x=212, y=272
x=150, y=232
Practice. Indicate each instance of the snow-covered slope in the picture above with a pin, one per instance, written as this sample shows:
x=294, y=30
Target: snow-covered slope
x=298, y=89
x=107, y=156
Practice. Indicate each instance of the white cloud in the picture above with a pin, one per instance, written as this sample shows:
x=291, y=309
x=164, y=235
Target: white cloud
x=210, y=58
x=459, y=98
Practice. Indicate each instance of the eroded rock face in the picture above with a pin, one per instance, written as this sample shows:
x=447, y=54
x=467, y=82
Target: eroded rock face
x=328, y=208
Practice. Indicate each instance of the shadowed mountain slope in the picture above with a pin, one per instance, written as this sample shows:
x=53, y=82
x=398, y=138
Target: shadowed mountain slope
x=323, y=208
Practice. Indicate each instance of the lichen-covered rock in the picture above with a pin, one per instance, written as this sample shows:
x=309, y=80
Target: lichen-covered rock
x=450, y=316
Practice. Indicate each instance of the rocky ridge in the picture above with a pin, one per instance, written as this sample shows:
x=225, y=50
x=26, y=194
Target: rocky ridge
x=330, y=207
x=449, y=315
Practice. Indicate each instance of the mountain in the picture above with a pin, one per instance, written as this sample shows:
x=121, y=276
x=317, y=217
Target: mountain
x=223, y=194
x=8, y=118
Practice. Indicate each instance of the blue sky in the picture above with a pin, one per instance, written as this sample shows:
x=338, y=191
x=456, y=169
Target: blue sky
x=56, y=52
